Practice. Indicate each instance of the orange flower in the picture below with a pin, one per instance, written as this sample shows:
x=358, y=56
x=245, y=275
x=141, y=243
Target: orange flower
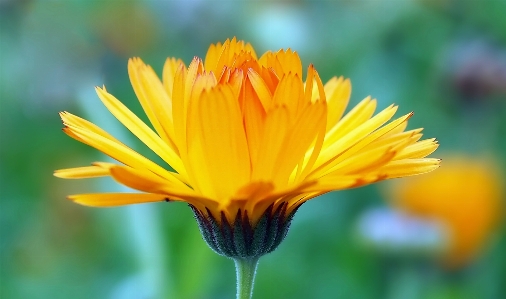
x=246, y=139
x=465, y=196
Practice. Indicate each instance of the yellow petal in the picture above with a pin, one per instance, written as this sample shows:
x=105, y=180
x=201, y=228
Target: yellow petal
x=183, y=86
x=169, y=72
x=141, y=131
x=144, y=180
x=224, y=139
x=179, y=107
x=401, y=128
x=309, y=89
x=197, y=165
x=224, y=56
x=364, y=162
x=212, y=56
x=254, y=119
x=338, y=93
x=408, y=167
x=314, y=92
x=333, y=154
x=297, y=142
x=81, y=172
x=283, y=62
x=289, y=92
x=358, y=115
x=120, y=152
x=388, y=138
x=231, y=54
x=418, y=150
x=261, y=89
x=340, y=182
x=116, y=199
x=70, y=119
x=308, y=161
x=275, y=129
x=154, y=100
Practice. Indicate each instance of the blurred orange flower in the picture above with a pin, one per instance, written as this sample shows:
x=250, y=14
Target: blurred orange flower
x=465, y=195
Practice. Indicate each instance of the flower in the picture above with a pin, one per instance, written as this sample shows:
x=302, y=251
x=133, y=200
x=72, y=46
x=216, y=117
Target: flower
x=248, y=143
x=464, y=196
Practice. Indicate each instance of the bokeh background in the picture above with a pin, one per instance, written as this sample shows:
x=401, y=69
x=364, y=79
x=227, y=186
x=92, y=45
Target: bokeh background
x=443, y=59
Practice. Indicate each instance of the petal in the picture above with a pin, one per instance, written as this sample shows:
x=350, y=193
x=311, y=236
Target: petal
x=338, y=93
x=335, y=182
x=82, y=172
x=254, y=119
x=224, y=139
x=261, y=89
x=120, y=152
x=141, y=131
x=183, y=85
x=298, y=141
x=418, y=150
x=356, y=138
x=364, y=162
x=198, y=168
x=331, y=183
x=144, y=180
x=224, y=56
x=310, y=88
x=70, y=119
x=202, y=83
x=231, y=54
x=357, y=116
x=308, y=161
x=212, y=56
x=116, y=199
x=153, y=98
x=369, y=160
x=314, y=92
x=283, y=62
x=169, y=72
x=289, y=92
x=388, y=138
x=275, y=130
x=408, y=167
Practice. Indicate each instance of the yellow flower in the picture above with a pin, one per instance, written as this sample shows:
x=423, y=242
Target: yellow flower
x=246, y=138
x=465, y=196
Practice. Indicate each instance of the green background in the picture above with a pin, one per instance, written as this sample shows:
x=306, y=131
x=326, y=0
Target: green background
x=443, y=59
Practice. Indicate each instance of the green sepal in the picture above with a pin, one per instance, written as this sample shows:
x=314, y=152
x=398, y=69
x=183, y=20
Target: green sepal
x=240, y=239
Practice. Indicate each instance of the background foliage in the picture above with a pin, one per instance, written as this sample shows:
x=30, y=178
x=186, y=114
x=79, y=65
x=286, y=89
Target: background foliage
x=444, y=59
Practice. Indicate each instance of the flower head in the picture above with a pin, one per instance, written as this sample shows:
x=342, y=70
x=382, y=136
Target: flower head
x=247, y=139
x=464, y=196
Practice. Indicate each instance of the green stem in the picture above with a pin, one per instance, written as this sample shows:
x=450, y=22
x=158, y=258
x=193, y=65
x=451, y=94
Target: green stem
x=245, y=270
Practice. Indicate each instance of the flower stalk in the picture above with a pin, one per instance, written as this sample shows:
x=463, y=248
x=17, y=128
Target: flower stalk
x=245, y=269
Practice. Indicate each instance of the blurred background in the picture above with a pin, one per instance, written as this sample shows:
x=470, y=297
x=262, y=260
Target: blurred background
x=437, y=236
